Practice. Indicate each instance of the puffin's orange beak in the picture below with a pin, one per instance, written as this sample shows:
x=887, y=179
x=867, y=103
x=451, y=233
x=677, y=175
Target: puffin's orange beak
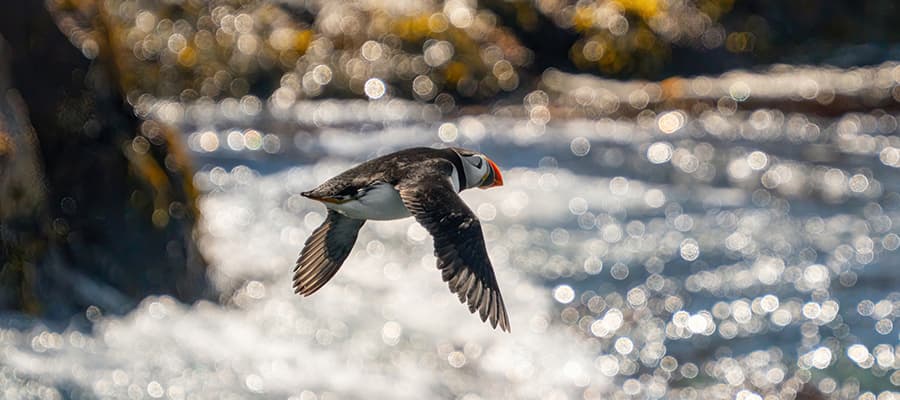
x=498, y=178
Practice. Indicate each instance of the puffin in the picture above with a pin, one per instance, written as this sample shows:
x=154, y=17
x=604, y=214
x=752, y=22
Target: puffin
x=424, y=183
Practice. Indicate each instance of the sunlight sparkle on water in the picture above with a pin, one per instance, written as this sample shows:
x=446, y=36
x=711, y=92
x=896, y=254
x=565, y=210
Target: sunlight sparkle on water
x=725, y=254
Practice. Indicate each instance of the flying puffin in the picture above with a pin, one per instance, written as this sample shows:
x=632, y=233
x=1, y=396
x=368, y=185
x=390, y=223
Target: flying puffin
x=422, y=182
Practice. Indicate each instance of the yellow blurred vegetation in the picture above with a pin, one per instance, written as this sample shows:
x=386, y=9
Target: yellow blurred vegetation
x=429, y=51
x=617, y=36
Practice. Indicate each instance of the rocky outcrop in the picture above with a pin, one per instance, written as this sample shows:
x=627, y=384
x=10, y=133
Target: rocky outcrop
x=22, y=205
x=96, y=205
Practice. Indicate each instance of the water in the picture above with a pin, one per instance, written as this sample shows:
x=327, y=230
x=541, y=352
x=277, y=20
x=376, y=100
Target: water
x=727, y=255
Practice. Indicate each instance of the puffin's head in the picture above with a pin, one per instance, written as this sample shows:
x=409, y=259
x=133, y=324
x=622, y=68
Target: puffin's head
x=481, y=172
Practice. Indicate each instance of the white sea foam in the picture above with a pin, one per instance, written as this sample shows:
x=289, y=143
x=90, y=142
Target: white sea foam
x=661, y=264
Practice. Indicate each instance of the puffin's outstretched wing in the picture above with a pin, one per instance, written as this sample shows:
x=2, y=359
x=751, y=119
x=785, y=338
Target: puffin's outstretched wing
x=325, y=251
x=458, y=242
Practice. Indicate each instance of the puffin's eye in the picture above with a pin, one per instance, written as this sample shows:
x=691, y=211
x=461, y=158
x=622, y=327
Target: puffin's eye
x=476, y=161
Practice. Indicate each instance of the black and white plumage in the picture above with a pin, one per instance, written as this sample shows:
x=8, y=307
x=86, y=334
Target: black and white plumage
x=422, y=182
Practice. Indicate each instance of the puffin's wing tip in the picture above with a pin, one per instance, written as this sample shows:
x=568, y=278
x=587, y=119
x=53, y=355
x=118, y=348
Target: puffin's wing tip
x=325, y=252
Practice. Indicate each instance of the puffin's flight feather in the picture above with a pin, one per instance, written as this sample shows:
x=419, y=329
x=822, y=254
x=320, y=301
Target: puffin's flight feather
x=325, y=251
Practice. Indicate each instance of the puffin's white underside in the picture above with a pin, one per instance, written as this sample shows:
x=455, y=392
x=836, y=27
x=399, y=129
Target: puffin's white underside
x=381, y=202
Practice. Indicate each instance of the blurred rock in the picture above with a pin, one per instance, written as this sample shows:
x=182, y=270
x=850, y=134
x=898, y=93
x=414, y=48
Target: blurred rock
x=22, y=199
x=97, y=206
